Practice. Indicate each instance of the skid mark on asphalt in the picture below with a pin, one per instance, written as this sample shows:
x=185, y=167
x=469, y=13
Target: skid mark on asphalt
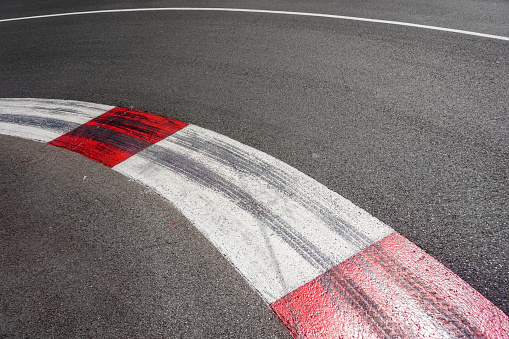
x=326, y=267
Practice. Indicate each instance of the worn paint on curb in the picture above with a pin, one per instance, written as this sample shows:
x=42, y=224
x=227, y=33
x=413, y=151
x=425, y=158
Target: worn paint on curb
x=326, y=267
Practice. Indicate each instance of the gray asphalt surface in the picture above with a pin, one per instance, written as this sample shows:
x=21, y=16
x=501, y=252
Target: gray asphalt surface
x=484, y=16
x=86, y=253
x=410, y=124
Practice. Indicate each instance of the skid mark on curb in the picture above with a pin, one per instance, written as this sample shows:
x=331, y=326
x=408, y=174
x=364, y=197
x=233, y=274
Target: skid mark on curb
x=117, y=135
x=326, y=267
x=392, y=289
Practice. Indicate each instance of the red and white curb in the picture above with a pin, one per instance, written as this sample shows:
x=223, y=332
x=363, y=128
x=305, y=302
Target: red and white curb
x=327, y=268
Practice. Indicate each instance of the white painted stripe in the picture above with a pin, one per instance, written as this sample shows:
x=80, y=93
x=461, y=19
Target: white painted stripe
x=332, y=16
x=234, y=232
x=258, y=211
x=45, y=119
x=279, y=227
x=68, y=110
x=28, y=132
x=261, y=213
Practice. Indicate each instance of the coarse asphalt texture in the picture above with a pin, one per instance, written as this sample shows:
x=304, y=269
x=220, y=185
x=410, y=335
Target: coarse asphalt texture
x=87, y=252
x=409, y=124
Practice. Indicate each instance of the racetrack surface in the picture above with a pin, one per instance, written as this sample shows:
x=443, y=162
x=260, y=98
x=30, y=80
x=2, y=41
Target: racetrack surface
x=486, y=16
x=409, y=124
x=325, y=266
x=88, y=253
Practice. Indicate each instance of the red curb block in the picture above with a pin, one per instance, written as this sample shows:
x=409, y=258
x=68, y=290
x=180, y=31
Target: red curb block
x=118, y=134
x=392, y=289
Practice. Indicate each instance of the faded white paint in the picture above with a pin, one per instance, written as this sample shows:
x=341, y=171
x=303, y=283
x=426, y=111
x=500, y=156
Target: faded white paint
x=28, y=132
x=269, y=264
x=279, y=227
x=73, y=112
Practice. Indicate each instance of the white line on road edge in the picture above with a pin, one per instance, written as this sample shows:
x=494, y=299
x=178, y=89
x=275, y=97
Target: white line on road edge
x=389, y=22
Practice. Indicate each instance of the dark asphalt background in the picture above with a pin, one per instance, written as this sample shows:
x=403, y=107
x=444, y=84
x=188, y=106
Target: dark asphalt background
x=410, y=124
x=87, y=253
x=483, y=16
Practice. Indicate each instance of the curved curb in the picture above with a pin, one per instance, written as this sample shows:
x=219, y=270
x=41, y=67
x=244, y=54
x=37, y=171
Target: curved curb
x=325, y=266
x=216, y=9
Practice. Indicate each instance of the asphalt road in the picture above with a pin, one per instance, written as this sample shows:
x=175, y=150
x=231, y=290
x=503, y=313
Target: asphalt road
x=87, y=253
x=485, y=16
x=410, y=124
